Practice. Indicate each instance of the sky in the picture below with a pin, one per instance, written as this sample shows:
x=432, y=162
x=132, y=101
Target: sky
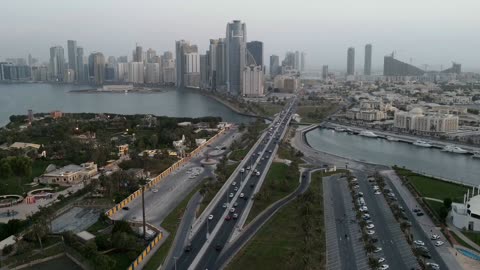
x=419, y=31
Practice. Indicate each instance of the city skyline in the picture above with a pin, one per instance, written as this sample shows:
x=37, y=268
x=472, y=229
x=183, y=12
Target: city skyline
x=413, y=39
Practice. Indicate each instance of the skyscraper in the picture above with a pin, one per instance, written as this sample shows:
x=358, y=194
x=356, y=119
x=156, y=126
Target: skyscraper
x=98, y=68
x=138, y=54
x=218, y=61
x=302, y=61
x=274, y=65
x=297, y=60
x=367, y=68
x=57, y=63
x=351, y=61
x=236, y=38
x=255, y=49
x=324, y=72
x=182, y=47
x=80, y=65
x=72, y=57
x=151, y=53
x=289, y=60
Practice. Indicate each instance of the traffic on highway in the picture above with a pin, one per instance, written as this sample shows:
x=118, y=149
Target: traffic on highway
x=203, y=249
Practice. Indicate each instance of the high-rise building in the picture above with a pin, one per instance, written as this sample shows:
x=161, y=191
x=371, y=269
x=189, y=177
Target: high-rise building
x=289, y=60
x=367, y=68
x=297, y=60
x=192, y=70
x=302, y=61
x=80, y=66
x=218, y=63
x=274, y=65
x=57, y=63
x=152, y=73
x=394, y=67
x=204, y=70
x=90, y=67
x=351, y=61
x=98, y=68
x=255, y=50
x=182, y=48
x=325, y=72
x=72, y=56
x=168, y=75
x=151, y=53
x=253, y=81
x=135, y=72
x=236, y=39
x=122, y=59
x=138, y=54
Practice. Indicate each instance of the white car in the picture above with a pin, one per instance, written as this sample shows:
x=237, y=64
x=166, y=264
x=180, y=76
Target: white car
x=435, y=237
x=360, y=194
x=419, y=243
x=248, y=168
x=378, y=193
x=234, y=183
x=258, y=173
x=210, y=217
x=356, y=186
x=366, y=216
x=364, y=209
x=370, y=226
x=224, y=205
x=370, y=232
x=232, y=209
x=433, y=265
x=242, y=170
x=384, y=267
x=381, y=259
x=235, y=204
x=231, y=195
x=242, y=195
x=377, y=249
x=154, y=190
x=375, y=187
x=439, y=243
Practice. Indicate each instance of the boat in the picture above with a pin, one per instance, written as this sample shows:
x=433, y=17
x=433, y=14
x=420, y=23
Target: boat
x=392, y=139
x=369, y=134
x=339, y=129
x=422, y=143
x=454, y=149
x=476, y=155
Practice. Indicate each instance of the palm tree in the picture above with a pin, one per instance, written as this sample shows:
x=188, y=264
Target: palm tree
x=40, y=229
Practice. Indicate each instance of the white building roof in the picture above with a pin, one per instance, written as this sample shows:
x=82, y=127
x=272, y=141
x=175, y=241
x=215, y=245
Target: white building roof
x=474, y=203
x=85, y=235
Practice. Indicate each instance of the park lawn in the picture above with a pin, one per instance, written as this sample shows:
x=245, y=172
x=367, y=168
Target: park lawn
x=121, y=259
x=97, y=226
x=474, y=236
x=280, y=242
x=238, y=154
x=271, y=109
x=432, y=187
x=275, y=186
x=315, y=113
x=170, y=224
x=461, y=242
x=435, y=207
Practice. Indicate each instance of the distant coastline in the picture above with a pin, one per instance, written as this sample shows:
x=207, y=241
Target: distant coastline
x=140, y=90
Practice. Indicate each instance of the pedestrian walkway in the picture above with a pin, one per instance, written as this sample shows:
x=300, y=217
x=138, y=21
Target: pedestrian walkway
x=460, y=235
x=433, y=199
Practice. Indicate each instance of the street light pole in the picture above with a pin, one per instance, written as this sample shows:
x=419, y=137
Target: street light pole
x=206, y=236
x=143, y=212
x=175, y=259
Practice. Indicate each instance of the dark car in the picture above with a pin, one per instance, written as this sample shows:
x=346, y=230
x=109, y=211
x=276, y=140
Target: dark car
x=419, y=214
x=126, y=208
x=218, y=247
x=188, y=248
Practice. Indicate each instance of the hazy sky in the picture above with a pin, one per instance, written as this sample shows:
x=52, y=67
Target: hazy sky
x=430, y=32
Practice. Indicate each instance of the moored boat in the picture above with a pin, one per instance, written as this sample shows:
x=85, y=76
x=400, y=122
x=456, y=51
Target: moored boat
x=369, y=134
x=422, y=143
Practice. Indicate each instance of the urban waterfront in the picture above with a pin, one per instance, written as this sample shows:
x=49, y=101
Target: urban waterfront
x=432, y=161
x=19, y=98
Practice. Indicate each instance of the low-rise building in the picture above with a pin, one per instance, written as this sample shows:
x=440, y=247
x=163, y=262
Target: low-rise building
x=68, y=175
x=466, y=215
x=416, y=121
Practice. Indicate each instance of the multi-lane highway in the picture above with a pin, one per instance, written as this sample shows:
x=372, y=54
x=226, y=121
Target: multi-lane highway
x=214, y=232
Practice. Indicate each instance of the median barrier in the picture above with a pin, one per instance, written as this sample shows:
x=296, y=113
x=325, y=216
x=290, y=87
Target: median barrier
x=162, y=175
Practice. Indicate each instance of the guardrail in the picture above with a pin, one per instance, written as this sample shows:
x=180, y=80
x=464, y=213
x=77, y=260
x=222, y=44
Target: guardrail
x=145, y=252
x=162, y=175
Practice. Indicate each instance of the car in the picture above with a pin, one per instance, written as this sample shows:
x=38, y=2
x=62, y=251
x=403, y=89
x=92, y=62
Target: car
x=126, y=208
x=415, y=210
x=360, y=194
x=188, y=248
x=245, y=197
x=381, y=259
x=224, y=205
x=434, y=266
x=368, y=221
x=366, y=216
x=235, y=189
x=242, y=195
x=258, y=173
x=263, y=158
x=235, y=216
x=384, y=267
x=218, y=247
x=234, y=183
x=419, y=243
x=376, y=188
x=378, y=193
x=232, y=209
x=270, y=151
x=377, y=249
x=356, y=187
x=154, y=190
x=419, y=214
x=248, y=168
x=252, y=185
x=370, y=232
x=228, y=217
x=364, y=209
x=242, y=170
x=370, y=226
x=435, y=237
x=438, y=243
x=230, y=195
x=210, y=217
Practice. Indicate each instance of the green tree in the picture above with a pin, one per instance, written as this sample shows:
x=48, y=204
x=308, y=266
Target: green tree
x=447, y=202
x=40, y=230
x=443, y=213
